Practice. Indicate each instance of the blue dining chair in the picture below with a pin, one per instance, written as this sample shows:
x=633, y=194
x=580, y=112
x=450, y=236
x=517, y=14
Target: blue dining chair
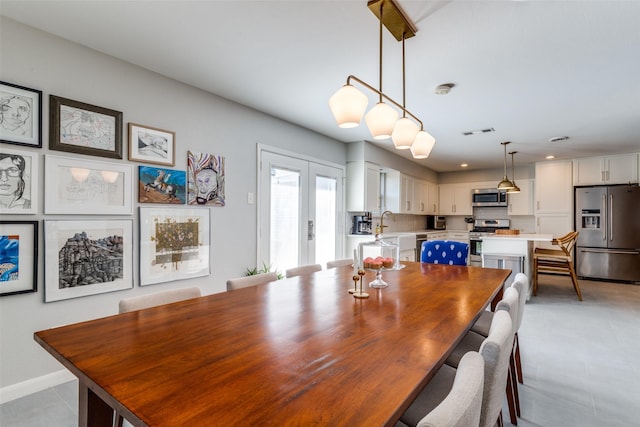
x=444, y=252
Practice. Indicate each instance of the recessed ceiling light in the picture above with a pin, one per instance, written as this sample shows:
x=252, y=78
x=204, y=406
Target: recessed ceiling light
x=550, y=156
x=464, y=165
x=479, y=131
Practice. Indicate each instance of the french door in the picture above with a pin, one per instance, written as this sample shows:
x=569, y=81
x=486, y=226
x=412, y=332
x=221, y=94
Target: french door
x=300, y=211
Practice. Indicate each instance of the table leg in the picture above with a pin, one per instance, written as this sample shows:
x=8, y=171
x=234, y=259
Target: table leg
x=93, y=411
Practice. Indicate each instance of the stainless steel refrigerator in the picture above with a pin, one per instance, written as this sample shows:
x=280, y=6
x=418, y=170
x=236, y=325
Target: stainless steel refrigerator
x=608, y=219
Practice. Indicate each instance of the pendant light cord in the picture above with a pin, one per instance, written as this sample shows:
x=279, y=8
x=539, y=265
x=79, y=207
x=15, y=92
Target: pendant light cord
x=380, y=29
x=404, y=94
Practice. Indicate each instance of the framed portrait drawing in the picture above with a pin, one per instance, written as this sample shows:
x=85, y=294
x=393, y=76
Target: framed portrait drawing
x=87, y=257
x=159, y=185
x=174, y=244
x=82, y=128
x=20, y=115
x=151, y=145
x=18, y=182
x=205, y=179
x=81, y=187
x=18, y=257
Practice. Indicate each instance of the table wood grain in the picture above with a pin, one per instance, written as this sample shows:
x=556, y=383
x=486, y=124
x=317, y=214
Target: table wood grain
x=296, y=352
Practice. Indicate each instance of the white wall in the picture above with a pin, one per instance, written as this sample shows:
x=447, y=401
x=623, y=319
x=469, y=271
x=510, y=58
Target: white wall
x=202, y=122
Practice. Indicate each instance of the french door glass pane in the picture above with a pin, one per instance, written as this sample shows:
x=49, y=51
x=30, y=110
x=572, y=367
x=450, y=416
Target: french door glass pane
x=325, y=227
x=285, y=218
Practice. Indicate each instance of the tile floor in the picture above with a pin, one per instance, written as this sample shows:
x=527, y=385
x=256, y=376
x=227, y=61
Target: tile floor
x=580, y=361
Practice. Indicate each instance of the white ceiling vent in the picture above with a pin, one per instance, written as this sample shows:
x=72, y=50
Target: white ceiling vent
x=476, y=132
x=558, y=138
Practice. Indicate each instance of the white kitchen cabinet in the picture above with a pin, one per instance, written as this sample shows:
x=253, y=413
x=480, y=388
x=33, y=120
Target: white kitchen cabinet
x=433, y=202
x=426, y=196
x=363, y=187
x=436, y=235
x=554, y=188
x=408, y=203
x=618, y=169
x=455, y=199
x=522, y=203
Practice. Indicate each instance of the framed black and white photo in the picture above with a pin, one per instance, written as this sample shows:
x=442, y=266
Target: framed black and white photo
x=87, y=257
x=82, y=187
x=81, y=128
x=174, y=244
x=18, y=182
x=20, y=115
x=151, y=145
x=18, y=257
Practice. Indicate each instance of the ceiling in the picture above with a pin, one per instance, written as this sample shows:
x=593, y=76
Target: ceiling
x=532, y=70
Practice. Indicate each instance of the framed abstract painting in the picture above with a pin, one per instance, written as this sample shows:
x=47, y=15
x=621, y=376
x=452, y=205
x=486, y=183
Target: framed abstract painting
x=18, y=257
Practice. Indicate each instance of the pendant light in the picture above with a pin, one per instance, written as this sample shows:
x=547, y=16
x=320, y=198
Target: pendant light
x=382, y=118
x=505, y=184
x=405, y=130
x=515, y=188
x=348, y=103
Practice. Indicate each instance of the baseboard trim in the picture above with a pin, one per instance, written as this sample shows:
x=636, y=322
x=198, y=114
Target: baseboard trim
x=33, y=385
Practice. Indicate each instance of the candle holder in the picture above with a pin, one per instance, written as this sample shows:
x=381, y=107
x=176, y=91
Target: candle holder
x=358, y=278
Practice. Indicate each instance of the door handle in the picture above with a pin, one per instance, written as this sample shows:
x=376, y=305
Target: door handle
x=611, y=217
x=310, y=232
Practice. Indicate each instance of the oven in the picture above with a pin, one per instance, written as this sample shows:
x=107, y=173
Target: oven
x=481, y=228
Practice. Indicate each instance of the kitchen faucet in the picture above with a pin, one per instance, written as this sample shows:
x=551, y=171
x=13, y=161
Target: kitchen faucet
x=382, y=226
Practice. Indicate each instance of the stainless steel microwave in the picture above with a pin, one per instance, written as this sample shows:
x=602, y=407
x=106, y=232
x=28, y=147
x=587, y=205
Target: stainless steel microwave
x=487, y=197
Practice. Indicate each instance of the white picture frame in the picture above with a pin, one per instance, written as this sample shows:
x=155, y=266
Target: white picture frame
x=174, y=244
x=21, y=197
x=72, y=272
x=87, y=187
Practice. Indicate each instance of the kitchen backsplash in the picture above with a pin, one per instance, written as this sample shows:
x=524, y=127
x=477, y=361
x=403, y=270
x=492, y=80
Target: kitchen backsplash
x=401, y=222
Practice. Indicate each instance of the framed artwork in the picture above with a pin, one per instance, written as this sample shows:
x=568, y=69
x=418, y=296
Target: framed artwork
x=20, y=115
x=87, y=257
x=79, y=186
x=18, y=257
x=151, y=145
x=174, y=244
x=206, y=179
x=158, y=185
x=82, y=128
x=18, y=182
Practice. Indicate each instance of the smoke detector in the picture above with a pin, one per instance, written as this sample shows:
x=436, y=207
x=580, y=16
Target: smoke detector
x=558, y=138
x=444, y=88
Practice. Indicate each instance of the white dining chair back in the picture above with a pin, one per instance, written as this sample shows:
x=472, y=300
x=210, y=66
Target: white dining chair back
x=495, y=351
x=253, y=280
x=158, y=298
x=463, y=404
x=303, y=270
x=339, y=263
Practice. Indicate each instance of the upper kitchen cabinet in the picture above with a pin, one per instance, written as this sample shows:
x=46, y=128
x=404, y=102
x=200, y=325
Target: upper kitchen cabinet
x=363, y=187
x=426, y=197
x=619, y=169
x=554, y=188
x=522, y=203
x=455, y=199
x=399, y=193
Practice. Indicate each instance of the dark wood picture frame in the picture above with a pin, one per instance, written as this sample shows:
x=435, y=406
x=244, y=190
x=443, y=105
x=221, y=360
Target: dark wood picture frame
x=88, y=129
x=26, y=256
x=29, y=133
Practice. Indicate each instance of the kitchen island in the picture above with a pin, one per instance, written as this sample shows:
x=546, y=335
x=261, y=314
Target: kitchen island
x=512, y=251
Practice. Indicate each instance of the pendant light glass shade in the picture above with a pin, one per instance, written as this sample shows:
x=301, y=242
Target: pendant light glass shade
x=348, y=105
x=422, y=145
x=380, y=120
x=404, y=132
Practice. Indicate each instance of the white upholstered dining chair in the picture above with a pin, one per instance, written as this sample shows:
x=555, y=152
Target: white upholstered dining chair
x=302, y=270
x=339, y=263
x=247, y=281
x=462, y=405
x=158, y=298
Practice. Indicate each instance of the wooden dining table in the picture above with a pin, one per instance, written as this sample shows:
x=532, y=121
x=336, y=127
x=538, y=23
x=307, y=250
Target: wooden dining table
x=295, y=352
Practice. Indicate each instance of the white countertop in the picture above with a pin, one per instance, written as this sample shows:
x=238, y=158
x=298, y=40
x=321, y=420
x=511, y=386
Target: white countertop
x=534, y=237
